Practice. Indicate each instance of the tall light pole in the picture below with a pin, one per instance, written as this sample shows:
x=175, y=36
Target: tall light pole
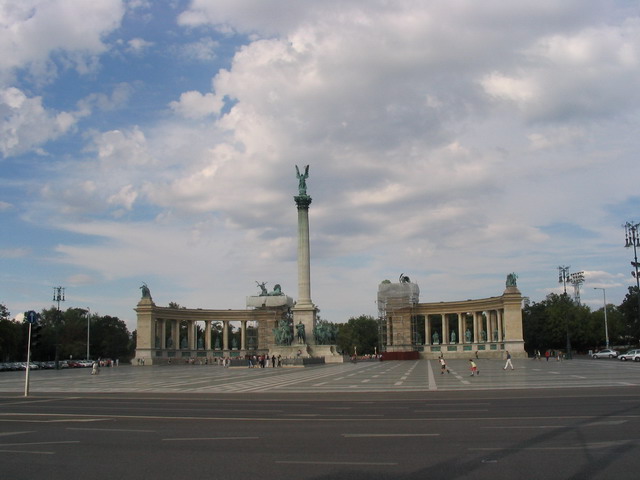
x=58, y=296
x=563, y=278
x=606, y=327
x=88, y=330
x=632, y=239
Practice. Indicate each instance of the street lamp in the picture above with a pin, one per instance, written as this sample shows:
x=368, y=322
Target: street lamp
x=88, y=330
x=563, y=278
x=606, y=327
x=58, y=296
x=632, y=239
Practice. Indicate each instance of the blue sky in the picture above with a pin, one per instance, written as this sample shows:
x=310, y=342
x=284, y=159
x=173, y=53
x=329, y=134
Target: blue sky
x=454, y=142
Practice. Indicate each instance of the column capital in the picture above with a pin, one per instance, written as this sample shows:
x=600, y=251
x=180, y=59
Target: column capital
x=302, y=201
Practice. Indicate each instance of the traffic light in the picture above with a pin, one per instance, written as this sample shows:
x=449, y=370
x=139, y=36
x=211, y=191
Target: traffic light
x=36, y=328
x=36, y=333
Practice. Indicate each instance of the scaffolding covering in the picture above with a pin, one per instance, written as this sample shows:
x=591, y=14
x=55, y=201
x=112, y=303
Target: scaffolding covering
x=397, y=295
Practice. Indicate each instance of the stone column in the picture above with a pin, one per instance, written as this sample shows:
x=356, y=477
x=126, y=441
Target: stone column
x=225, y=335
x=427, y=330
x=243, y=334
x=175, y=333
x=304, y=310
x=445, y=329
x=207, y=335
x=476, y=325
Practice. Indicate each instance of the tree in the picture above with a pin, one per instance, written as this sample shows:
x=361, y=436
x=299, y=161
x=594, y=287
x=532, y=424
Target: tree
x=629, y=310
x=359, y=333
x=11, y=337
x=111, y=337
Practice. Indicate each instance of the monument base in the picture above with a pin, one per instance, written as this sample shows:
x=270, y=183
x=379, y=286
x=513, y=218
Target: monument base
x=305, y=314
x=328, y=352
x=262, y=301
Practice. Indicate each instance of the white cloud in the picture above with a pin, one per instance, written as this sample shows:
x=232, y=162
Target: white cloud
x=26, y=124
x=196, y=105
x=138, y=45
x=72, y=30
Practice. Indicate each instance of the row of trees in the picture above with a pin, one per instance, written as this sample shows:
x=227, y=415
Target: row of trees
x=547, y=323
x=63, y=335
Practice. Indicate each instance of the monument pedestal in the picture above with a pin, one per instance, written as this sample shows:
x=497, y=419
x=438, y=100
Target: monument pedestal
x=305, y=314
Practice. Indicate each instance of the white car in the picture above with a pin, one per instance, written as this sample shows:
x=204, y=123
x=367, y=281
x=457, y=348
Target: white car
x=630, y=355
x=606, y=353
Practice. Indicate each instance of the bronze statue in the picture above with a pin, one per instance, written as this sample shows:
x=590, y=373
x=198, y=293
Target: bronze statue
x=300, y=332
x=146, y=293
x=302, y=180
x=511, y=280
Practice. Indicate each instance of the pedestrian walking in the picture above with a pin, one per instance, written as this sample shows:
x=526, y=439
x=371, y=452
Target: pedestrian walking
x=474, y=368
x=443, y=365
x=508, y=364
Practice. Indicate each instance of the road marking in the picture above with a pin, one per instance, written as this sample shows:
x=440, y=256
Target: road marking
x=311, y=462
x=366, y=435
x=197, y=439
x=4, y=434
x=62, y=442
x=29, y=452
x=110, y=430
x=563, y=447
x=526, y=426
x=431, y=378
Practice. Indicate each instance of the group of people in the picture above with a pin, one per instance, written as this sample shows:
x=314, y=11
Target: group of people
x=557, y=354
x=473, y=366
x=264, y=361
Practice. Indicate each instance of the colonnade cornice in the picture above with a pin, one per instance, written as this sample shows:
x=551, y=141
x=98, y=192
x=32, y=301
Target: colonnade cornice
x=458, y=306
x=188, y=314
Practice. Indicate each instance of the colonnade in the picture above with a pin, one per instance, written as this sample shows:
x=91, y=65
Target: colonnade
x=468, y=327
x=159, y=337
x=456, y=328
x=173, y=341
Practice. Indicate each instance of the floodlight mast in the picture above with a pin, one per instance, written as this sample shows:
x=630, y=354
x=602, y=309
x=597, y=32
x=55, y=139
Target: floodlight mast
x=632, y=239
x=576, y=279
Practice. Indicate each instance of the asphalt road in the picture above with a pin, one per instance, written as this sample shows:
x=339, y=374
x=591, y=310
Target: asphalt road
x=576, y=431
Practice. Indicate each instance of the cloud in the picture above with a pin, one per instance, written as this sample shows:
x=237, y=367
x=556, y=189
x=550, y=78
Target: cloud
x=26, y=124
x=195, y=105
x=72, y=31
x=19, y=252
x=138, y=45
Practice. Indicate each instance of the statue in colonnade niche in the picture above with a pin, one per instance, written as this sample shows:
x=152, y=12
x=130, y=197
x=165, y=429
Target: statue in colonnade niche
x=453, y=336
x=436, y=338
x=300, y=332
x=467, y=335
x=483, y=335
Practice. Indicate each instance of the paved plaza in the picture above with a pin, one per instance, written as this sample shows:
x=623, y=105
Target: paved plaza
x=364, y=376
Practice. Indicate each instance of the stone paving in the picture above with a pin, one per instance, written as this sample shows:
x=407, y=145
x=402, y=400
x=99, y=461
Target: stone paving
x=365, y=376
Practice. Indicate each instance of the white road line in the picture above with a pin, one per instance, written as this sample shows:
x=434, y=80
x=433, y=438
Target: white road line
x=198, y=439
x=311, y=462
x=376, y=435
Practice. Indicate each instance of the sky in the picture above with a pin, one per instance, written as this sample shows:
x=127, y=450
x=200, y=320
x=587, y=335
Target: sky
x=454, y=142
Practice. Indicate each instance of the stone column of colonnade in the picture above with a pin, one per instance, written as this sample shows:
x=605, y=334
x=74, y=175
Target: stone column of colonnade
x=207, y=335
x=494, y=319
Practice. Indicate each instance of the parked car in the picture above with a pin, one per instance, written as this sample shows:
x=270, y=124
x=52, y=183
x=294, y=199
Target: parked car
x=629, y=355
x=606, y=353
